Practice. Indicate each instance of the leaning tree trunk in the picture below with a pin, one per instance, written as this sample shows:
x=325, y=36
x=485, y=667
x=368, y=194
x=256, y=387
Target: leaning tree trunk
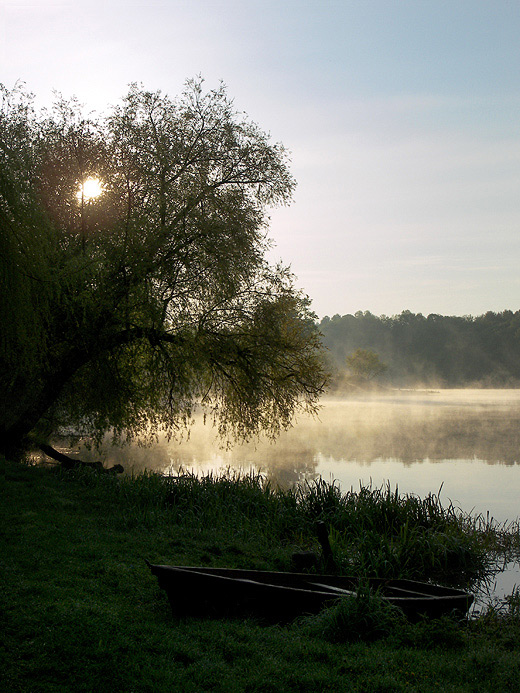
x=36, y=401
x=75, y=463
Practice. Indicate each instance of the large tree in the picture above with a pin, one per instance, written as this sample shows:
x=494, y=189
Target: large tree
x=121, y=311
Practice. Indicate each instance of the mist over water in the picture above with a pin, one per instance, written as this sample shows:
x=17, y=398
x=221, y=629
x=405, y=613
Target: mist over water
x=467, y=441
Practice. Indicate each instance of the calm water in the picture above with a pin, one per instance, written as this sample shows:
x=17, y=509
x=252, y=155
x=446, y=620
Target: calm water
x=467, y=441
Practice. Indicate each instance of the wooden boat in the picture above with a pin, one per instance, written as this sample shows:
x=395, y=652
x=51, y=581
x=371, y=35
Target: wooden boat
x=281, y=597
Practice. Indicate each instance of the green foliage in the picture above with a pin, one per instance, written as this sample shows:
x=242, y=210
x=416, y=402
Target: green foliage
x=124, y=311
x=435, y=350
x=364, y=616
x=26, y=291
x=365, y=365
x=444, y=632
x=373, y=532
x=380, y=532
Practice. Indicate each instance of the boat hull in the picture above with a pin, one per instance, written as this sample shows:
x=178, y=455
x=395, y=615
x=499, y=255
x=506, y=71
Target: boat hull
x=282, y=597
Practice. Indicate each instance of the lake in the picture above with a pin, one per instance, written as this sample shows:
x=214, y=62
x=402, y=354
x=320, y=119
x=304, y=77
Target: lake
x=465, y=443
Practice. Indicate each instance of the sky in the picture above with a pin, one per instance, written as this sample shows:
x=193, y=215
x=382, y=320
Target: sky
x=401, y=116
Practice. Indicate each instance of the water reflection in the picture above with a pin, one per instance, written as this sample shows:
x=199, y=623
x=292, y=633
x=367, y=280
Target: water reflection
x=468, y=440
x=411, y=428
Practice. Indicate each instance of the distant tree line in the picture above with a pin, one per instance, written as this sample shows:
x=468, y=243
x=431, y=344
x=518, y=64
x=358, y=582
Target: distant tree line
x=437, y=350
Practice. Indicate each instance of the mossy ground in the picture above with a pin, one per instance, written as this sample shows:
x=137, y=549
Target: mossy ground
x=81, y=611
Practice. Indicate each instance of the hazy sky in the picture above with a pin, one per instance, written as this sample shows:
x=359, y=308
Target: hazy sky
x=402, y=118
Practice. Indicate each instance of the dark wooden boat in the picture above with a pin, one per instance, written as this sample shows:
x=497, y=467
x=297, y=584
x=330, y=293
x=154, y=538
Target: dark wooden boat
x=281, y=597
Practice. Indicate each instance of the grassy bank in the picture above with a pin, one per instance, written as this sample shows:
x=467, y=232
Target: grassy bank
x=81, y=612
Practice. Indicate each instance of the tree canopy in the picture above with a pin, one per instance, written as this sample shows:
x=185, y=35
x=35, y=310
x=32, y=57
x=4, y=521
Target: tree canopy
x=365, y=365
x=123, y=310
x=433, y=350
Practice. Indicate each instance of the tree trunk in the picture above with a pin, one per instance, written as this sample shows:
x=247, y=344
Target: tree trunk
x=74, y=463
x=15, y=430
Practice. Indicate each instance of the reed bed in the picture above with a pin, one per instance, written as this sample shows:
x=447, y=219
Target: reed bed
x=373, y=531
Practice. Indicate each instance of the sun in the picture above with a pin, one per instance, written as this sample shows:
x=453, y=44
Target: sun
x=90, y=189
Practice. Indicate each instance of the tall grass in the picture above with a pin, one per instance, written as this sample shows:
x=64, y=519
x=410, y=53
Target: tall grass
x=364, y=616
x=378, y=531
x=373, y=531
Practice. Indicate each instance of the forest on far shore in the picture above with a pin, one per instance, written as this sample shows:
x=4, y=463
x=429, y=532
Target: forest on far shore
x=432, y=351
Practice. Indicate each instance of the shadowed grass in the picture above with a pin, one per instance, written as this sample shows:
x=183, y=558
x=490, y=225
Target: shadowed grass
x=373, y=532
x=380, y=532
x=364, y=616
x=80, y=610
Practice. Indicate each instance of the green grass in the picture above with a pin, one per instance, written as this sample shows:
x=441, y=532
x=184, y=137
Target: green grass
x=81, y=612
x=377, y=531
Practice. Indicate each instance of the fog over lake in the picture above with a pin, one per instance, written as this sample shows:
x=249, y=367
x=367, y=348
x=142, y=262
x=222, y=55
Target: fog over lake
x=468, y=441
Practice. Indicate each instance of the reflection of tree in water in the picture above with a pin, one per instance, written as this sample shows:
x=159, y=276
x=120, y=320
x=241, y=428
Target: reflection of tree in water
x=284, y=462
x=363, y=429
x=412, y=434
x=133, y=457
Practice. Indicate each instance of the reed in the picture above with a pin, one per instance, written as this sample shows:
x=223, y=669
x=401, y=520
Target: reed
x=378, y=531
x=373, y=531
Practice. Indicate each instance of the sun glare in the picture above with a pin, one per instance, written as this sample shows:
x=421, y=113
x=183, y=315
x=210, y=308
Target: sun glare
x=90, y=189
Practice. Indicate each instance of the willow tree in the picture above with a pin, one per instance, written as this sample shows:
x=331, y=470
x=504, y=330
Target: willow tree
x=126, y=304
